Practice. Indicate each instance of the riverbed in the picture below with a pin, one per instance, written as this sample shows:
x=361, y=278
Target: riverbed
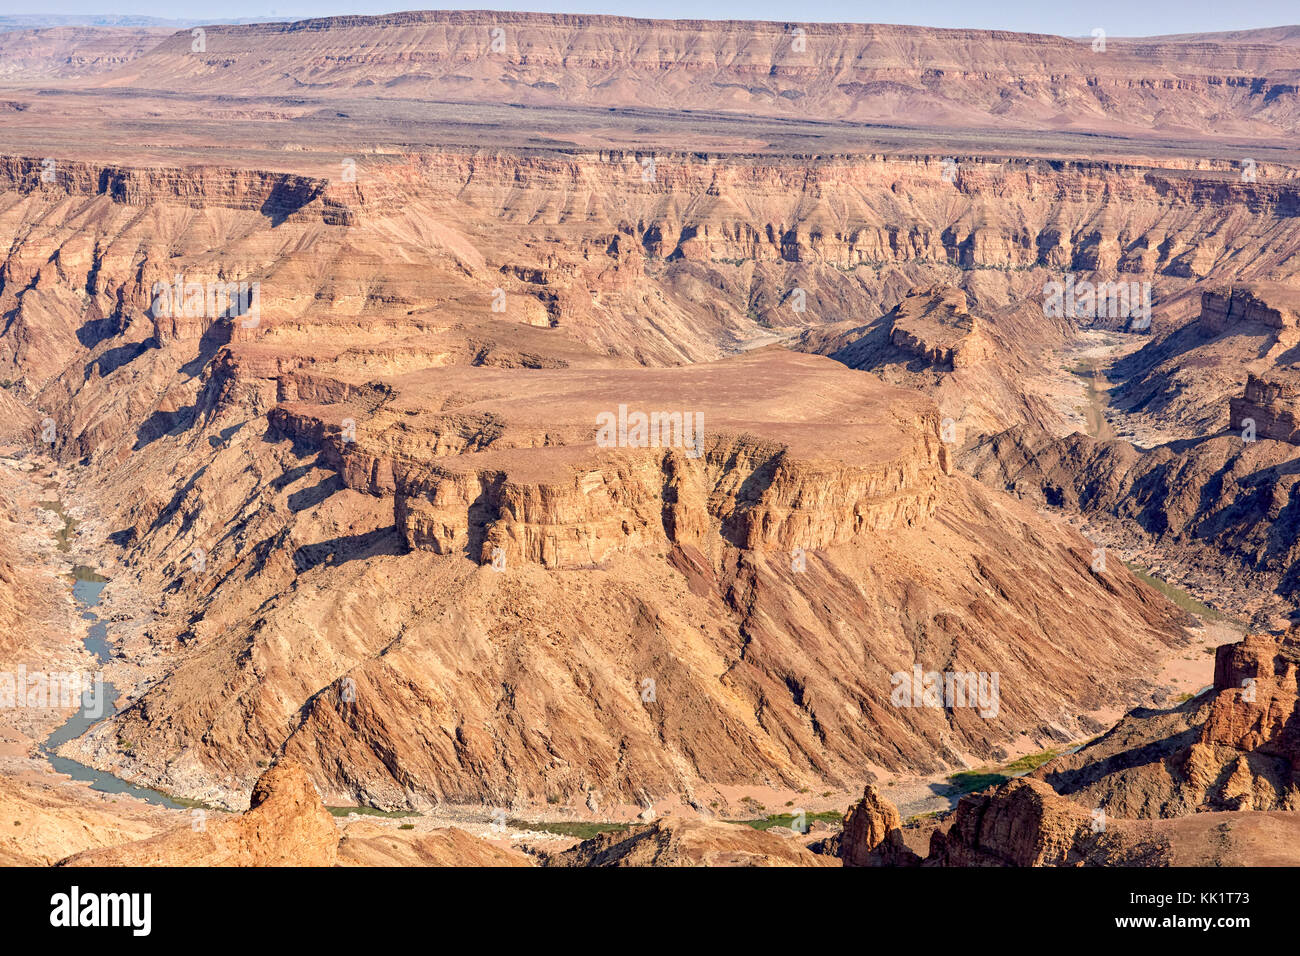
x=87, y=586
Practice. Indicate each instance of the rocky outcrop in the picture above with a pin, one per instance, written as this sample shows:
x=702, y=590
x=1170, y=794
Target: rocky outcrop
x=286, y=824
x=936, y=326
x=523, y=478
x=1270, y=305
x=676, y=841
x=1025, y=823
x=1139, y=795
x=1272, y=404
x=1182, y=384
x=872, y=834
x=1235, y=748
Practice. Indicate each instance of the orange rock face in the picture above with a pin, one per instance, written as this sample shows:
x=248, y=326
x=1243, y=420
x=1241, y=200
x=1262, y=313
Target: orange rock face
x=286, y=823
x=589, y=438
x=1233, y=748
x=871, y=834
x=547, y=482
x=1272, y=404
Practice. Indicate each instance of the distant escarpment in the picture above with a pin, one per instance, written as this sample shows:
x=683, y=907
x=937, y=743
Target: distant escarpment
x=858, y=72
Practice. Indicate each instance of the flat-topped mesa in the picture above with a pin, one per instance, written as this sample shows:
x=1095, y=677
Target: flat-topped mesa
x=935, y=325
x=772, y=450
x=1272, y=401
x=1268, y=304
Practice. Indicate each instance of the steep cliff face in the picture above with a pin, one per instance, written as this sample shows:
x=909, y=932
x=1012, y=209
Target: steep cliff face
x=558, y=472
x=1234, y=748
x=1186, y=379
x=495, y=484
x=276, y=195
x=1272, y=306
x=1271, y=404
x=1025, y=823
x=584, y=244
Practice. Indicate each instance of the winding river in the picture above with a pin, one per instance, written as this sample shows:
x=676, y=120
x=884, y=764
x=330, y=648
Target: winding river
x=86, y=589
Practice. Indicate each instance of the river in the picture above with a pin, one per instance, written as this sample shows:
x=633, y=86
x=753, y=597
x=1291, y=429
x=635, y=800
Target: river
x=86, y=589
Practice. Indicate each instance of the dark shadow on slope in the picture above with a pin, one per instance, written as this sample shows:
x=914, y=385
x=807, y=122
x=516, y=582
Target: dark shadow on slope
x=749, y=494
x=114, y=358
x=1155, y=752
x=337, y=551
x=96, y=330
x=286, y=198
x=480, y=513
x=166, y=514
x=217, y=335
x=310, y=497
x=162, y=423
x=222, y=438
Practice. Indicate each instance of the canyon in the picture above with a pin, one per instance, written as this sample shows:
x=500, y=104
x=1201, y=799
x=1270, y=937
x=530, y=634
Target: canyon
x=472, y=440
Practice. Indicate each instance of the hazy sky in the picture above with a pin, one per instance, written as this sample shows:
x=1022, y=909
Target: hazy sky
x=1071, y=18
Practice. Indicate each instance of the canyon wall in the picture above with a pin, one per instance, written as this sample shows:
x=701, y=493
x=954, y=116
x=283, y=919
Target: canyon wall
x=858, y=72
